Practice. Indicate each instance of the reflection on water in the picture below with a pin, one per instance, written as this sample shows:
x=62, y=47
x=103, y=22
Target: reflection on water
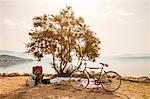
x=131, y=66
x=27, y=67
x=125, y=67
x=11, y=63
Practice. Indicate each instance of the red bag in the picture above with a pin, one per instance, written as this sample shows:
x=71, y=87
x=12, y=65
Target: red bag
x=37, y=70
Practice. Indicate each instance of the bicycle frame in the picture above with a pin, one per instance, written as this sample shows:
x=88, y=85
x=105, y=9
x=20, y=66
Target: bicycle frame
x=105, y=78
x=91, y=76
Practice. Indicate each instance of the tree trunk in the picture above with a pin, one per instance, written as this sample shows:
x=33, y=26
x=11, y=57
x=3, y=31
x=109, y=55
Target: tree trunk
x=80, y=63
x=55, y=64
x=61, y=70
x=64, y=66
x=61, y=65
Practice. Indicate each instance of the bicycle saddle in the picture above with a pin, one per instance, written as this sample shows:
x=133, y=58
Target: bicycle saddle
x=106, y=65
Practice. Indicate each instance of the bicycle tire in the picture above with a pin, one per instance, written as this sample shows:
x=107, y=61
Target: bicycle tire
x=79, y=79
x=111, y=81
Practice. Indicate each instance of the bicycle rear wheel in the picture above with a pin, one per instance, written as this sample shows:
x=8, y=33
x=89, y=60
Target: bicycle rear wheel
x=79, y=79
x=111, y=81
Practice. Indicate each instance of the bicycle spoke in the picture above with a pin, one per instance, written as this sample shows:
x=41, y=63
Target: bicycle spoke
x=79, y=80
x=111, y=81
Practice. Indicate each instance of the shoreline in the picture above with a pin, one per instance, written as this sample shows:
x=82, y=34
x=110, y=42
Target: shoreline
x=142, y=79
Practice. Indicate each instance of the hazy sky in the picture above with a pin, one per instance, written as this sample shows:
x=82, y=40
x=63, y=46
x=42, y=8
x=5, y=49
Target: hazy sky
x=122, y=25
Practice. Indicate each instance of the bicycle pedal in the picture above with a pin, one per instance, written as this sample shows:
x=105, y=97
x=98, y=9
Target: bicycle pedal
x=97, y=83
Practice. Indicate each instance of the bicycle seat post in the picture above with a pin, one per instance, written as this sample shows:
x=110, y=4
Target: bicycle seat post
x=85, y=64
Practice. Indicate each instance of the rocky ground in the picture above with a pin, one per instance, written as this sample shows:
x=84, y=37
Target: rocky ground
x=15, y=88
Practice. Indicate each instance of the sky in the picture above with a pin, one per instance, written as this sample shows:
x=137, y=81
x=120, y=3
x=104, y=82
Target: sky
x=123, y=26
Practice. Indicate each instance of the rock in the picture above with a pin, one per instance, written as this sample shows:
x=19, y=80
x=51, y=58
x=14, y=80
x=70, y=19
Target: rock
x=22, y=92
x=26, y=74
x=5, y=75
x=125, y=78
x=144, y=79
x=14, y=74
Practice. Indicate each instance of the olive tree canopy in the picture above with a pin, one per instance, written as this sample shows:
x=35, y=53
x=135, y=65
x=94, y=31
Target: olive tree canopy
x=64, y=37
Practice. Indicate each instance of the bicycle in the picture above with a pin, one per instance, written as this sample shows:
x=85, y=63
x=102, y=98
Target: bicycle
x=110, y=80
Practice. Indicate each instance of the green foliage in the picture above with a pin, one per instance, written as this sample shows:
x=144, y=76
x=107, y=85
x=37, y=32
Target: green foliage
x=63, y=36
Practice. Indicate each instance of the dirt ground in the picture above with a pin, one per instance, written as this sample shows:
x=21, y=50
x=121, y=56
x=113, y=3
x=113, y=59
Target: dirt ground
x=15, y=88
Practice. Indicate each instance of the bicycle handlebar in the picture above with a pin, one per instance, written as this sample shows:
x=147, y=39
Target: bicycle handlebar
x=103, y=64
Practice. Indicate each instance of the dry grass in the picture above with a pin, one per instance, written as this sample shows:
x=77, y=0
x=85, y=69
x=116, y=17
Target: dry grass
x=14, y=88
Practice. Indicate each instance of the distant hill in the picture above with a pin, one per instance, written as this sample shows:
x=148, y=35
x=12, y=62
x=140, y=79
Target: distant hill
x=12, y=58
x=16, y=54
x=8, y=60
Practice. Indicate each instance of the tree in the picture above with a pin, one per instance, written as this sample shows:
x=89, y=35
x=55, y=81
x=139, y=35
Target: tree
x=64, y=37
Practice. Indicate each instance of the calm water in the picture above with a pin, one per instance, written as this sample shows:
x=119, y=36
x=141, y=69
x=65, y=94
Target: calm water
x=131, y=67
x=125, y=67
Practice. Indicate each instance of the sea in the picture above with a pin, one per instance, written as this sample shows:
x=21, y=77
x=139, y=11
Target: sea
x=125, y=66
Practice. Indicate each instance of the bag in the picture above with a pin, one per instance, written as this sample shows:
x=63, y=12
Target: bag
x=37, y=70
x=31, y=81
x=45, y=81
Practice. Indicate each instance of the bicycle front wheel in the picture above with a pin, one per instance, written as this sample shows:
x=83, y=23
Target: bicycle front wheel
x=79, y=79
x=111, y=81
